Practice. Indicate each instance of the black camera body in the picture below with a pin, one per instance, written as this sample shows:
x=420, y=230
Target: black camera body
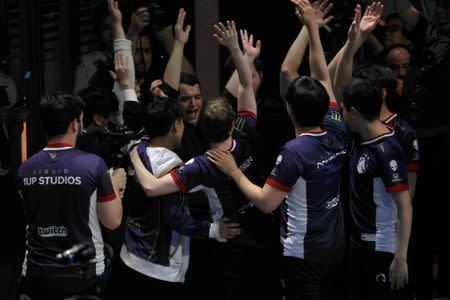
x=108, y=143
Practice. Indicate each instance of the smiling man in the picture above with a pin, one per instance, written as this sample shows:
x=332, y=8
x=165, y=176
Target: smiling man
x=190, y=97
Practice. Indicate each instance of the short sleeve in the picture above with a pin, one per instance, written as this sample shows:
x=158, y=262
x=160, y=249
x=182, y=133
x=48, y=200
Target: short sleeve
x=245, y=127
x=333, y=120
x=105, y=190
x=394, y=174
x=411, y=147
x=287, y=170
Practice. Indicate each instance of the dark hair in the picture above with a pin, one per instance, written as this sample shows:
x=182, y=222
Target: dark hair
x=58, y=111
x=364, y=96
x=383, y=77
x=381, y=58
x=309, y=101
x=189, y=79
x=159, y=116
x=100, y=101
x=216, y=119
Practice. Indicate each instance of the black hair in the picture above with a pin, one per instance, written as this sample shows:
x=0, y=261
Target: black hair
x=58, y=111
x=216, y=119
x=364, y=96
x=189, y=79
x=159, y=116
x=309, y=101
x=99, y=101
x=383, y=77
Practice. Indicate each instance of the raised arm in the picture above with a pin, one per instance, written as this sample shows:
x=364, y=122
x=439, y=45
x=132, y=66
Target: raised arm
x=359, y=31
x=399, y=268
x=139, y=20
x=167, y=39
x=267, y=199
x=251, y=53
x=173, y=68
x=408, y=13
x=294, y=57
x=317, y=62
x=151, y=185
x=227, y=36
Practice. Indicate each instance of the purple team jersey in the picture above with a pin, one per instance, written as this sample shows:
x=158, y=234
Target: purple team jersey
x=308, y=168
x=61, y=187
x=377, y=168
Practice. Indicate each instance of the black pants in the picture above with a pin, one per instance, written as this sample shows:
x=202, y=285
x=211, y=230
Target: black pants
x=369, y=276
x=302, y=279
x=127, y=283
x=59, y=287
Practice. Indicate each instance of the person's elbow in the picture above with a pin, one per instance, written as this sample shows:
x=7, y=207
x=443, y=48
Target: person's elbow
x=113, y=224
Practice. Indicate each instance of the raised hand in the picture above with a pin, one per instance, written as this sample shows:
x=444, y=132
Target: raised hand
x=121, y=72
x=114, y=12
x=227, y=36
x=321, y=9
x=304, y=12
x=370, y=19
x=354, y=27
x=247, y=43
x=182, y=35
x=139, y=20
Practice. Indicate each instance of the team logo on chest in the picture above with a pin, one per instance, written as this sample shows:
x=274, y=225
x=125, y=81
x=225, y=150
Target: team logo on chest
x=362, y=164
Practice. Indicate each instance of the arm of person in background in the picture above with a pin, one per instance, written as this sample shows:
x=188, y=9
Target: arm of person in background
x=358, y=33
x=398, y=270
x=139, y=20
x=166, y=37
x=122, y=46
x=294, y=57
x=173, y=68
x=408, y=13
x=317, y=62
x=109, y=206
x=267, y=198
x=251, y=53
x=181, y=221
x=228, y=37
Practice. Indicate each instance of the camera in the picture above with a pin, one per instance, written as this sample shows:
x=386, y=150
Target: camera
x=158, y=15
x=108, y=143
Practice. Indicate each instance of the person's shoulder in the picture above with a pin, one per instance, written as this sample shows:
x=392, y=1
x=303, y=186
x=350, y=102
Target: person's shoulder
x=162, y=159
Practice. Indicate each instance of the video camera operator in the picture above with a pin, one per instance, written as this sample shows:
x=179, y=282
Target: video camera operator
x=66, y=194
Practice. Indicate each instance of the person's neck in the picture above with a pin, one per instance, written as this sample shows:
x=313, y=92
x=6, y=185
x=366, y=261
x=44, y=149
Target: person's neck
x=385, y=113
x=225, y=145
x=66, y=139
x=371, y=129
x=162, y=141
x=313, y=129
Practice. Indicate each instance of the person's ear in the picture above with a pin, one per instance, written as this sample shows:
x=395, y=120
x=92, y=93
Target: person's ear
x=384, y=92
x=354, y=113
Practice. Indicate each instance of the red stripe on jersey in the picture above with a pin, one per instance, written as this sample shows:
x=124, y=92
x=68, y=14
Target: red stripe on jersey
x=279, y=186
x=59, y=145
x=178, y=181
x=400, y=187
x=106, y=198
x=332, y=104
x=247, y=113
x=413, y=167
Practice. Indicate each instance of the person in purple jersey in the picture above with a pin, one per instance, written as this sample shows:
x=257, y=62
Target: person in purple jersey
x=306, y=176
x=66, y=194
x=379, y=195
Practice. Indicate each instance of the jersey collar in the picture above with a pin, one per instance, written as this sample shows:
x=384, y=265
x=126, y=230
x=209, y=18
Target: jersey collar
x=390, y=118
x=58, y=146
x=377, y=138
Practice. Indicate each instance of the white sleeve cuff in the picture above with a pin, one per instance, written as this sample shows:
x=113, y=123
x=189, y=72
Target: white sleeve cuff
x=130, y=95
x=214, y=231
x=122, y=45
